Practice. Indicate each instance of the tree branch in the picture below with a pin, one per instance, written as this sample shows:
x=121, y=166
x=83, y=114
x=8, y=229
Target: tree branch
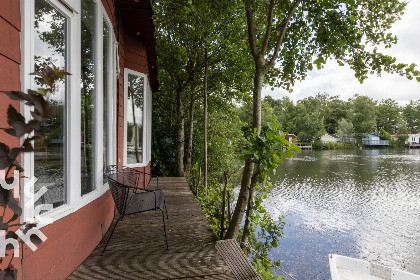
x=282, y=33
x=251, y=31
x=269, y=26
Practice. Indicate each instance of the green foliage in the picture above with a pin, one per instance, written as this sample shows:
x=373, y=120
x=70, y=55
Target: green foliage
x=383, y=134
x=9, y=156
x=264, y=234
x=388, y=116
x=411, y=116
x=397, y=143
x=268, y=148
x=319, y=145
x=363, y=115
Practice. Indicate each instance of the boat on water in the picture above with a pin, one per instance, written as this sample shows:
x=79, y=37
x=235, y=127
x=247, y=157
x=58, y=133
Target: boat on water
x=346, y=268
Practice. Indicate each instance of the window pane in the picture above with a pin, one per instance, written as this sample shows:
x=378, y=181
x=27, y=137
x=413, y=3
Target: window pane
x=88, y=96
x=135, y=119
x=106, y=76
x=49, y=155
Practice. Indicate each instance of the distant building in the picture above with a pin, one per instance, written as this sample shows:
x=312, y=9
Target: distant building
x=413, y=140
x=330, y=138
x=291, y=137
x=373, y=139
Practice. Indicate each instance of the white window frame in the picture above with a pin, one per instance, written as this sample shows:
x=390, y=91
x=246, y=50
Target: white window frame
x=74, y=199
x=147, y=119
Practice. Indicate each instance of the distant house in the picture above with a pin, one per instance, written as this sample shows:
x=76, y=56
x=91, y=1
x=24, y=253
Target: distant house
x=413, y=140
x=395, y=136
x=291, y=137
x=330, y=138
x=373, y=139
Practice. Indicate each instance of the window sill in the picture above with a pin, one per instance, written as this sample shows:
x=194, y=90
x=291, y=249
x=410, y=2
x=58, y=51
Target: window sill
x=67, y=209
x=134, y=165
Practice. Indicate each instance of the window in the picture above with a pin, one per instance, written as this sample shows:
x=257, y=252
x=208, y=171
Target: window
x=73, y=148
x=88, y=94
x=50, y=46
x=137, y=119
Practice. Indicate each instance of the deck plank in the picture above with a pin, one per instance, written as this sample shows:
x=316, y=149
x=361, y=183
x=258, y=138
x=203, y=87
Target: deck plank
x=137, y=248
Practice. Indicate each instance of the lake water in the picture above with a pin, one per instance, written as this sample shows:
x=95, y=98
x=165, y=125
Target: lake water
x=363, y=204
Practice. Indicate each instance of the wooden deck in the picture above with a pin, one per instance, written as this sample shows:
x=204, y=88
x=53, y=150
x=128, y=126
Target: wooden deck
x=137, y=249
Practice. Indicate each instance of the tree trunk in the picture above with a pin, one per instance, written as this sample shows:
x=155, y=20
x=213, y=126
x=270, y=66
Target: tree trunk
x=242, y=202
x=188, y=159
x=205, y=121
x=250, y=205
x=179, y=172
x=238, y=213
x=222, y=219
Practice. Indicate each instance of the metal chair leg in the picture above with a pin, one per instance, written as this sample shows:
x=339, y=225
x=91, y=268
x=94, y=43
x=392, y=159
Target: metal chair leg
x=109, y=238
x=166, y=209
x=164, y=230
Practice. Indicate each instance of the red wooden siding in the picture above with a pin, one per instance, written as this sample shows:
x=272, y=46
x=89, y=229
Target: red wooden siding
x=9, y=76
x=71, y=239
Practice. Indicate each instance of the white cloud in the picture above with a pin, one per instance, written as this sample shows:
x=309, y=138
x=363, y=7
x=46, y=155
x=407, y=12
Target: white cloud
x=336, y=80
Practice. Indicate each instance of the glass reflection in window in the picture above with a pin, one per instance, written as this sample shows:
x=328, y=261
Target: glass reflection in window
x=106, y=117
x=134, y=119
x=88, y=95
x=50, y=44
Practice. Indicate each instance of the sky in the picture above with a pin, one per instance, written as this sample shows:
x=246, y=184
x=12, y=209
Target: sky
x=336, y=80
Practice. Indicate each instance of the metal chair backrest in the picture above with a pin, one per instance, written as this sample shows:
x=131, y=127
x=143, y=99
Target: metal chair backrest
x=121, y=181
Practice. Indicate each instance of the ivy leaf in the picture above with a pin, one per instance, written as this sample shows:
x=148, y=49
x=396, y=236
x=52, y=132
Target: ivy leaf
x=16, y=95
x=17, y=121
x=10, y=273
x=7, y=200
x=3, y=226
x=4, y=159
x=12, y=219
x=10, y=131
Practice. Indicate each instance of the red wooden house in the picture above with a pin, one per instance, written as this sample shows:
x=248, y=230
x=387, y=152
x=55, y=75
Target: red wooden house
x=291, y=137
x=104, y=114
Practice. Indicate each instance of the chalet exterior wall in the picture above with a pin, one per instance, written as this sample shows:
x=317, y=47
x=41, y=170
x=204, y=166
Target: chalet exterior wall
x=73, y=237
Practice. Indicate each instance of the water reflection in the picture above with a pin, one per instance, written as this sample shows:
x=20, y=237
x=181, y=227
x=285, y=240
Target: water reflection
x=364, y=204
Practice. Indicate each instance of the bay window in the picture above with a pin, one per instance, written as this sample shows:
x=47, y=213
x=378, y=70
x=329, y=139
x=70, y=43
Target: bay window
x=73, y=148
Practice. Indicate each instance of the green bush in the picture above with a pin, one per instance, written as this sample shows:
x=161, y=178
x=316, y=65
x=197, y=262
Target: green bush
x=319, y=145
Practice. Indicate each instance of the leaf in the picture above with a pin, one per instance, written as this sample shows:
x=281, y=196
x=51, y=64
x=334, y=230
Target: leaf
x=17, y=121
x=8, y=274
x=43, y=91
x=284, y=141
x=13, y=115
x=4, y=159
x=3, y=226
x=418, y=79
x=7, y=200
x=28, y=227
x=10, y=131
x=16, y=95
x=15, y=216
x=289, y=154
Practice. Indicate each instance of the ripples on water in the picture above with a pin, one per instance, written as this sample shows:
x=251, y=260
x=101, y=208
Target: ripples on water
x=363, y=204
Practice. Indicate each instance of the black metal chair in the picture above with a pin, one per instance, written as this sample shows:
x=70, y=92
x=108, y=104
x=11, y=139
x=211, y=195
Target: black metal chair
x=129, y=198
